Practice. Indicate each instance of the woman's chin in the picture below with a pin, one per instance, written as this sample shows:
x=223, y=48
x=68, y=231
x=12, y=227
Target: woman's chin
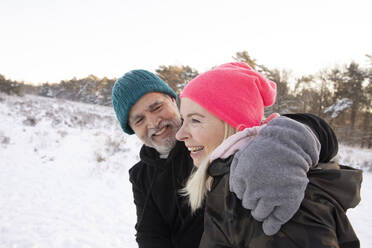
x=196, y=163
x=197, y=157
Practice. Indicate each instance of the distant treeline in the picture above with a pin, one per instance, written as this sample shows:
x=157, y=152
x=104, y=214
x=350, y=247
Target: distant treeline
x=342, y=94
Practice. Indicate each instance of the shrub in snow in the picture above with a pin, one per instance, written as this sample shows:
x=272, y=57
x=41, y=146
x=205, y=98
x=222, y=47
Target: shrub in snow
x=99, y=157
x=30, y=121
x=355, y=157
x=113, y=146
x=63, y=133
x=4, y=139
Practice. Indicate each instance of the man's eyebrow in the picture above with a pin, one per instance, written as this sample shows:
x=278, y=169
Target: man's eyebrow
x=148, y=108
x=133, y=118
x=153, y=105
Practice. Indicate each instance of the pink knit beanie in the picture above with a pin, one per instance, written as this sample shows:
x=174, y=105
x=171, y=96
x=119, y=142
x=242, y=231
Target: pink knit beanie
x=233, y=92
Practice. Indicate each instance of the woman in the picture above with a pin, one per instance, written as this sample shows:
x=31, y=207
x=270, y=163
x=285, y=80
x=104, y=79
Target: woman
x=222, y=111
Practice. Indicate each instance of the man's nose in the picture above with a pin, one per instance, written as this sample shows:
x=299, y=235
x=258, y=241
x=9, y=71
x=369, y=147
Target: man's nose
x=153, y=121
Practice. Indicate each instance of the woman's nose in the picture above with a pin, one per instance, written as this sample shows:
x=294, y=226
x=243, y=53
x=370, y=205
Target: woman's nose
x=181, y=134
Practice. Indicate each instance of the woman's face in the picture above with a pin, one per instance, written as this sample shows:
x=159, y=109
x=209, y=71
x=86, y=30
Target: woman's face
x=201, y=131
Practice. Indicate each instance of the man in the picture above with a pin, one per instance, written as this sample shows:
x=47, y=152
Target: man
x=146, y=105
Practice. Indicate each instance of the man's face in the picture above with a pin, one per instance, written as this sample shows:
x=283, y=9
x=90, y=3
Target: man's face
x=155, y=120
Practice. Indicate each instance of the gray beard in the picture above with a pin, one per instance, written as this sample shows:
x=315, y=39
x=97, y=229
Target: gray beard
x=170, y=142
x=165, y=149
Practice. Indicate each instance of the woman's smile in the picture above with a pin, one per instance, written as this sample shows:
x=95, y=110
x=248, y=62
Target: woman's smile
x=201, y=130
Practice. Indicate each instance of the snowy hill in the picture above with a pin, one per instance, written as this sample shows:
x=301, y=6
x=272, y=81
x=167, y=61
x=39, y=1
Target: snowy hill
x=64, y=176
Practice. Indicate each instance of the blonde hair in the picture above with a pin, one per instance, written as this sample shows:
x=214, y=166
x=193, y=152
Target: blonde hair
x=197, y=185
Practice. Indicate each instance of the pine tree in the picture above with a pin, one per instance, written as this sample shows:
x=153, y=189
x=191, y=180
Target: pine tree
x=176, y=76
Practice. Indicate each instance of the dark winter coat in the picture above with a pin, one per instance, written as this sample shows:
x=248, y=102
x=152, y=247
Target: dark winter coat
x=164, y=218
x=320, y=222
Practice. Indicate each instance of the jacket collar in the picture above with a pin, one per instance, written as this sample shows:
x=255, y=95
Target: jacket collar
x=151, y=157
x=235, y=142
x=220, y=166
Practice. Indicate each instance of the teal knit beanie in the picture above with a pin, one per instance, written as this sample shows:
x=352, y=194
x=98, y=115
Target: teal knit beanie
x=129, y=88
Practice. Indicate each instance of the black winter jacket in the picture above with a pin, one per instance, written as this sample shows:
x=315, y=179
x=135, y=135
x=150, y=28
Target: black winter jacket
x=320, y=222
x=164, y=218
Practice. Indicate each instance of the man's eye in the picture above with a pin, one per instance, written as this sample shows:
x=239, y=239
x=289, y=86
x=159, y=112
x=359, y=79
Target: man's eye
x=156, y=108
x=195, y=121
x=138, y=121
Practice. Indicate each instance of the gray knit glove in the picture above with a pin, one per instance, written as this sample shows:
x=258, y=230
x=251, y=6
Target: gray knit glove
x=269, y=173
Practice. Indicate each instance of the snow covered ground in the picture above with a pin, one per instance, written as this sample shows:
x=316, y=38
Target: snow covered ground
x=64, y=176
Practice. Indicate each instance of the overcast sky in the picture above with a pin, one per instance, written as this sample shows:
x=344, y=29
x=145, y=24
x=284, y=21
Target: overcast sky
x=53, y=40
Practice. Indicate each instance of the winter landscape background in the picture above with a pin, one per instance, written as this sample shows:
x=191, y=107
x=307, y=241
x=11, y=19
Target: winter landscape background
x=64, y=176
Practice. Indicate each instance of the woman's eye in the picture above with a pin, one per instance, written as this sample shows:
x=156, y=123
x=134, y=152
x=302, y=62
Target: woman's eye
x=195, y=121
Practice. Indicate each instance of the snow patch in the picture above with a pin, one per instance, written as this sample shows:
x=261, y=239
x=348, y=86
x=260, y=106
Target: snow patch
x=64, y=176
x=338, y=107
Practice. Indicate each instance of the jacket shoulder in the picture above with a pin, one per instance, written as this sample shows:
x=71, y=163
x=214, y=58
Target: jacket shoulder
x=139, y=173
